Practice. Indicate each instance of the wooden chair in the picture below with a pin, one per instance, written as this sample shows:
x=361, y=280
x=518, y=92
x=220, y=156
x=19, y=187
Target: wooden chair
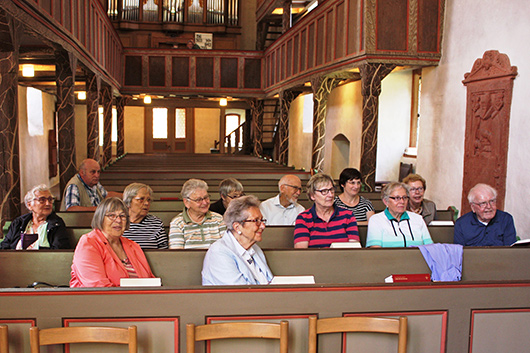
x=4, y=341
x=238, y=330
x=358, y=324
x=84, y=334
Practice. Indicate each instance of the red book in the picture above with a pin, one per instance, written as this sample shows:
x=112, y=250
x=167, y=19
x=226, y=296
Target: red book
x=414, y=277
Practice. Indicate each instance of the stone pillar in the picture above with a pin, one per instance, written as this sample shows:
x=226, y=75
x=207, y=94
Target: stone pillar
x=371, y=77
x=120, y=116
x=92, y=115
x=286, y=98
x=257, y=108
x=106, y=102
x=489, y=99
x=65, y=66
x=322, y=87
x=9, y=149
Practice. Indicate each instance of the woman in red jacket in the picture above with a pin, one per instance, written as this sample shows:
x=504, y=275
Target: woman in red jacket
x=103, y=256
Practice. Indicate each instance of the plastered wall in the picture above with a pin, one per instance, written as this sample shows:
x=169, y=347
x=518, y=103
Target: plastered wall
x=471, y=28
x=34, y=149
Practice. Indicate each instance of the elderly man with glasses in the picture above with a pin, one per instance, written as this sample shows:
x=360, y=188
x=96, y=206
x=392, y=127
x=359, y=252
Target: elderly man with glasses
x=282, y=209
x=484, y=225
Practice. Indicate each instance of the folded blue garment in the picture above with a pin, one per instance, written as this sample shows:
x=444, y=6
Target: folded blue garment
x=444, y=260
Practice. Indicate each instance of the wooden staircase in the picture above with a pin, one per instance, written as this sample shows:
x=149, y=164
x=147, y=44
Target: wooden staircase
x=271, y=115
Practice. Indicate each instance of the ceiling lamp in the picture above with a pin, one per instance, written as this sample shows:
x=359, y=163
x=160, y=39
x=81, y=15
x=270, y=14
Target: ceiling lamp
x=81, y=95
x=28, y=70
x=147, y=99
x=223, y=102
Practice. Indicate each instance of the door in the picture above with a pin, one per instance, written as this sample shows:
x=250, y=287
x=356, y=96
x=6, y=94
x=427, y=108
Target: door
x=169, y=130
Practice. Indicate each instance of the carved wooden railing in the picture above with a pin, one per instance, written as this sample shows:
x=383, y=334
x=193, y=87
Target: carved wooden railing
x=341, y=35
x=82, y=27
x=233, y=140
x=193, y=72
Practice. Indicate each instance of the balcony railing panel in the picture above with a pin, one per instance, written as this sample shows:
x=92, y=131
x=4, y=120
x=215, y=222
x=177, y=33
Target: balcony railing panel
x=192, y=72
x=343, y=34
x=81, y=27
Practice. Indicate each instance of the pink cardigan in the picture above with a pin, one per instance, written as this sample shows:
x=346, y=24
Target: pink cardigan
x=95, y=264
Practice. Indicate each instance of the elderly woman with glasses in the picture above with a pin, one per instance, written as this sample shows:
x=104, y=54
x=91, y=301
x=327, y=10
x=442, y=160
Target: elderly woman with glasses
x=395, y=227
x=39, y=229
x=229, y=189
x=324, y=223
x=196, y=227
x=236, y=258
x=103, y=256
x=417, y=203
x=145, y=229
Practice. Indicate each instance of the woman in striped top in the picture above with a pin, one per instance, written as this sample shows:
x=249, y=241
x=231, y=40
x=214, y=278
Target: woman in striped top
x=147, y=230
x=350, y=184
x=324, y=223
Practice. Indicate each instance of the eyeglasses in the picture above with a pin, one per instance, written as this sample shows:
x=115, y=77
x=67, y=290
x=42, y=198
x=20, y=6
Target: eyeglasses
x=113, y=217
x=483, y=204
x=143, y=199
x=324, y=192
x=257, y=221
x=199, y=200
x=43, y=199
x=294, y=187
x=235, y=196
x=420, y=189
x=399, y=198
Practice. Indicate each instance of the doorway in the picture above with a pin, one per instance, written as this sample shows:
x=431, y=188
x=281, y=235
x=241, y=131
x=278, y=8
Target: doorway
x=169, y=130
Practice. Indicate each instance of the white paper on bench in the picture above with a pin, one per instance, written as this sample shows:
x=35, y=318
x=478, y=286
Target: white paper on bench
x=293, y=280
x=140, y=282
x=349, y=244
x=442, y=223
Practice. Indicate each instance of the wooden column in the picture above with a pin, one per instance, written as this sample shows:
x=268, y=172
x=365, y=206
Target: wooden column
x=120, y=116
x=489, y=99
x=286, y=98
x=371, y=77
x=65, y=66
x=286, y=15
x=10, y=31
x=106, y=102
x=257, y=107
x=92, y=115
x=322, y=87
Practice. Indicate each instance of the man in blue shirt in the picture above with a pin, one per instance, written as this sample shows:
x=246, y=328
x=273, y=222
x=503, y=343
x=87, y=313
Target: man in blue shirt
x=484, y=225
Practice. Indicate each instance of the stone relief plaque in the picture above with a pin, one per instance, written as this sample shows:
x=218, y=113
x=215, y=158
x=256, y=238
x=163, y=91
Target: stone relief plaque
x=489, y=96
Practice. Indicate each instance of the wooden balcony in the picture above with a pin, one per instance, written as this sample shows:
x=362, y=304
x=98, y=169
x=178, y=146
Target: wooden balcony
x=193, y=72
x=341, y=35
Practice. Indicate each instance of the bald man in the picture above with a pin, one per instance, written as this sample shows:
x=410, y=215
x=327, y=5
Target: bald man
x=84, y=192
x=485, y=225
x=284, y=208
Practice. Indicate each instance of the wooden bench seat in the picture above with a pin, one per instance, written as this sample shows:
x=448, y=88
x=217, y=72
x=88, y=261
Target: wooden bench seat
x=282, y=237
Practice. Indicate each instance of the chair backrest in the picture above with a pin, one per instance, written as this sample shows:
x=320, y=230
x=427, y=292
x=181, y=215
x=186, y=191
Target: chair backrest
x=4, y=341
x=358, y=324
x=83, y=334
x=238, y=330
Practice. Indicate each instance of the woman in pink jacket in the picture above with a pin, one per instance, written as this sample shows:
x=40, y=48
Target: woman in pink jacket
x=103, y=256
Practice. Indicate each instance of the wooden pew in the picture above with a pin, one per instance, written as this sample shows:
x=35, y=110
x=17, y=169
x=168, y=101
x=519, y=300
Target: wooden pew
x=21, y=268
x=282, y=237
